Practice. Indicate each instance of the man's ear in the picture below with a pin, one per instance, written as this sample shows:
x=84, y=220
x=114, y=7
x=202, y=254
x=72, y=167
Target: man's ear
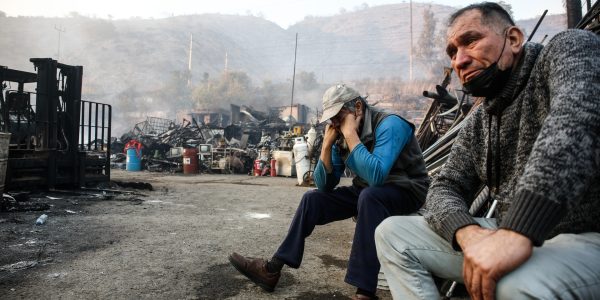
x=359, y=108
x=515, y=39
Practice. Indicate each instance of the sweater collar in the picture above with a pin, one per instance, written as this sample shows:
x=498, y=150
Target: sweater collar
x=366, y=133
x=516, y=82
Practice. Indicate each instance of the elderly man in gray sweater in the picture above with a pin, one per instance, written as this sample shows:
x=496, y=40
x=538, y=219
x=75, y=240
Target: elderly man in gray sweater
x=535, y=142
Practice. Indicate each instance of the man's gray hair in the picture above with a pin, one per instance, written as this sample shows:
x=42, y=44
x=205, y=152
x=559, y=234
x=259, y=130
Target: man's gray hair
x=351, y=105
x=491, y=14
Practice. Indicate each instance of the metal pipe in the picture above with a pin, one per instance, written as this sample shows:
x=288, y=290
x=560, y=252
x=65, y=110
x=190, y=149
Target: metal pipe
x=537, y=25
x=293, y=81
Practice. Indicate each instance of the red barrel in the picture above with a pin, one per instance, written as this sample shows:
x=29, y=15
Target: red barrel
x=190, y=161
x=257, y=167
x=273, y=165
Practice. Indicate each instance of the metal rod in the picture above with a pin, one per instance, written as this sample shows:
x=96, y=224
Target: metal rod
x=102, y=130
x=96, y=129
x=293, y=81
x=537, y=25
x=492, y=209
x=107, y=167
x=89, y=125
x=451, y=290
x=410, y=57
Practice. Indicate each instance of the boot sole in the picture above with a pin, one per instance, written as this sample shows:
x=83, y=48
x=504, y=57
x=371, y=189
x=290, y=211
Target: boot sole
x=254, y=279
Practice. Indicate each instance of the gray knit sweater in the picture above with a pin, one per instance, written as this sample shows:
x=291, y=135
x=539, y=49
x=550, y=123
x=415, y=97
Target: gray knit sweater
x=547, y=147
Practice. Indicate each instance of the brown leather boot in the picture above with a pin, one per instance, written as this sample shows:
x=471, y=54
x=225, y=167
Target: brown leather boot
x=363, y=297
x=256, y=270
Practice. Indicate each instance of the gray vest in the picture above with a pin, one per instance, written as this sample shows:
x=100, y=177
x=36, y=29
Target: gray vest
x=408, y=171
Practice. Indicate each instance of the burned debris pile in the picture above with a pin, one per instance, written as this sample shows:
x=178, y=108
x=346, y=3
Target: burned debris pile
x=258, y=143
x=441, y=123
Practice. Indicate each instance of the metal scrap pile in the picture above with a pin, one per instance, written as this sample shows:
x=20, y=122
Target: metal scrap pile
x=439, y=130
x=441, y=124
x=232, y=149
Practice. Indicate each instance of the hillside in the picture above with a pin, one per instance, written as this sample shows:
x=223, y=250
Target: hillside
x=146, y=60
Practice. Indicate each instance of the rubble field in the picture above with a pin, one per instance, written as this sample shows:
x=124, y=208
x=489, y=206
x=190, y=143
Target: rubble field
x=168, y=243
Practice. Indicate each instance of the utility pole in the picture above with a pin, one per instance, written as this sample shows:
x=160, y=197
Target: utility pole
x=293, y=81
x=226, y=62
x=190, y=63
x=60, y=30
x=573, y=12
x=410, y=70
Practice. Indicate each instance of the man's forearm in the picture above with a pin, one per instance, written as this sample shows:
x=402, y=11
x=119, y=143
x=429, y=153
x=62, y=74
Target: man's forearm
x=352, y=140
x=326, y=158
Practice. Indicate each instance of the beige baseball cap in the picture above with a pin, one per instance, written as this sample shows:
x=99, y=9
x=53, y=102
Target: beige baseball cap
x=334, y=99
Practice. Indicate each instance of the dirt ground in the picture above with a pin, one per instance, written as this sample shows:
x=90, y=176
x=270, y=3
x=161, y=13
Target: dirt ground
x=169, y=243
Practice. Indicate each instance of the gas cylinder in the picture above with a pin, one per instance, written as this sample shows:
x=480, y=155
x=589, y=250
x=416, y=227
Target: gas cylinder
x=301, y=158
x=257, y=167
x=273, y=166
x=311, y=136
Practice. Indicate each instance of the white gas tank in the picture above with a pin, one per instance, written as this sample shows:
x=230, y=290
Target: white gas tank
x=311, y=137
x=301, y=158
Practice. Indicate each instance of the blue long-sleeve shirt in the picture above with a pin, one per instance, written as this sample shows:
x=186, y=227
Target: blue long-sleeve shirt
x=391, y=135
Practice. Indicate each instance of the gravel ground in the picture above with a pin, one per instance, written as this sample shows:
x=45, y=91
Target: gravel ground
x=170, y=243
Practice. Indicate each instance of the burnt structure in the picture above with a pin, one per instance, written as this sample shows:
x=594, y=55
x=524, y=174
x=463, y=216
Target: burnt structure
x=57, y=139
x=591, y=20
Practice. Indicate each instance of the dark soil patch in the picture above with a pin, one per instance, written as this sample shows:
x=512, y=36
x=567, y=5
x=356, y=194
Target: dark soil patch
x=331, y=261
x=321, y=296
x=224, y=281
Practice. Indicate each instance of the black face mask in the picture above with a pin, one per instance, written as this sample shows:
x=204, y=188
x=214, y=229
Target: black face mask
x=490, y=81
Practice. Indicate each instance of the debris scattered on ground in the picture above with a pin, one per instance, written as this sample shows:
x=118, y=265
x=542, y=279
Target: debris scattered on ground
x=22, y=265
x=135, y=185
x=41, y=220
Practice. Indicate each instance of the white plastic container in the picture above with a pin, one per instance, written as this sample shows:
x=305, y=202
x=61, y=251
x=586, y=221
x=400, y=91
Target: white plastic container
x=301, y=158
x=284, y=163
x=41, y=220
x=311, y=136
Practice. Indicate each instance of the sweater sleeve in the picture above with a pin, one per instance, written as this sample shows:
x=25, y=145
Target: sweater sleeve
x=446, y=207
x=391, y=135
x=565, y=156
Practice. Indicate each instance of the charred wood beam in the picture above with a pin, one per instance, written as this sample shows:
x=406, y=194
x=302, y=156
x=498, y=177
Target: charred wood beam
x=573, y=12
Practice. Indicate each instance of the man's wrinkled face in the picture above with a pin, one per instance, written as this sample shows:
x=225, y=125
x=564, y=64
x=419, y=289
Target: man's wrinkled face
x=473, y=46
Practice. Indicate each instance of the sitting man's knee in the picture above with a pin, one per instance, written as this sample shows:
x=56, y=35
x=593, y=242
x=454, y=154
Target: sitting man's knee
x=393, y=228
x=309, y=201
x=313, y=195
x=519, y=287
x=367, y=196
x=384, y=228
x=367, y=192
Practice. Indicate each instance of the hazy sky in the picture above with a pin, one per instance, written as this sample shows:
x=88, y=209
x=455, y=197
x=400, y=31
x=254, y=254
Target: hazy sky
x=282, y=12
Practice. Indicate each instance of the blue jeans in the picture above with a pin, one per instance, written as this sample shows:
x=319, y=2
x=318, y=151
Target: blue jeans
x=371, y=205
x=565, y=267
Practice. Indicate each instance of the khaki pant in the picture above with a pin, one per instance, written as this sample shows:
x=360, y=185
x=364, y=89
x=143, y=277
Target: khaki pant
x=565, y=267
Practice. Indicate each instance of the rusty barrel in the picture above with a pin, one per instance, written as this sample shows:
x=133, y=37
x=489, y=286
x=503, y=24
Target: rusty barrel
x=190, y=161
x=257, y=167
x=273, y=167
